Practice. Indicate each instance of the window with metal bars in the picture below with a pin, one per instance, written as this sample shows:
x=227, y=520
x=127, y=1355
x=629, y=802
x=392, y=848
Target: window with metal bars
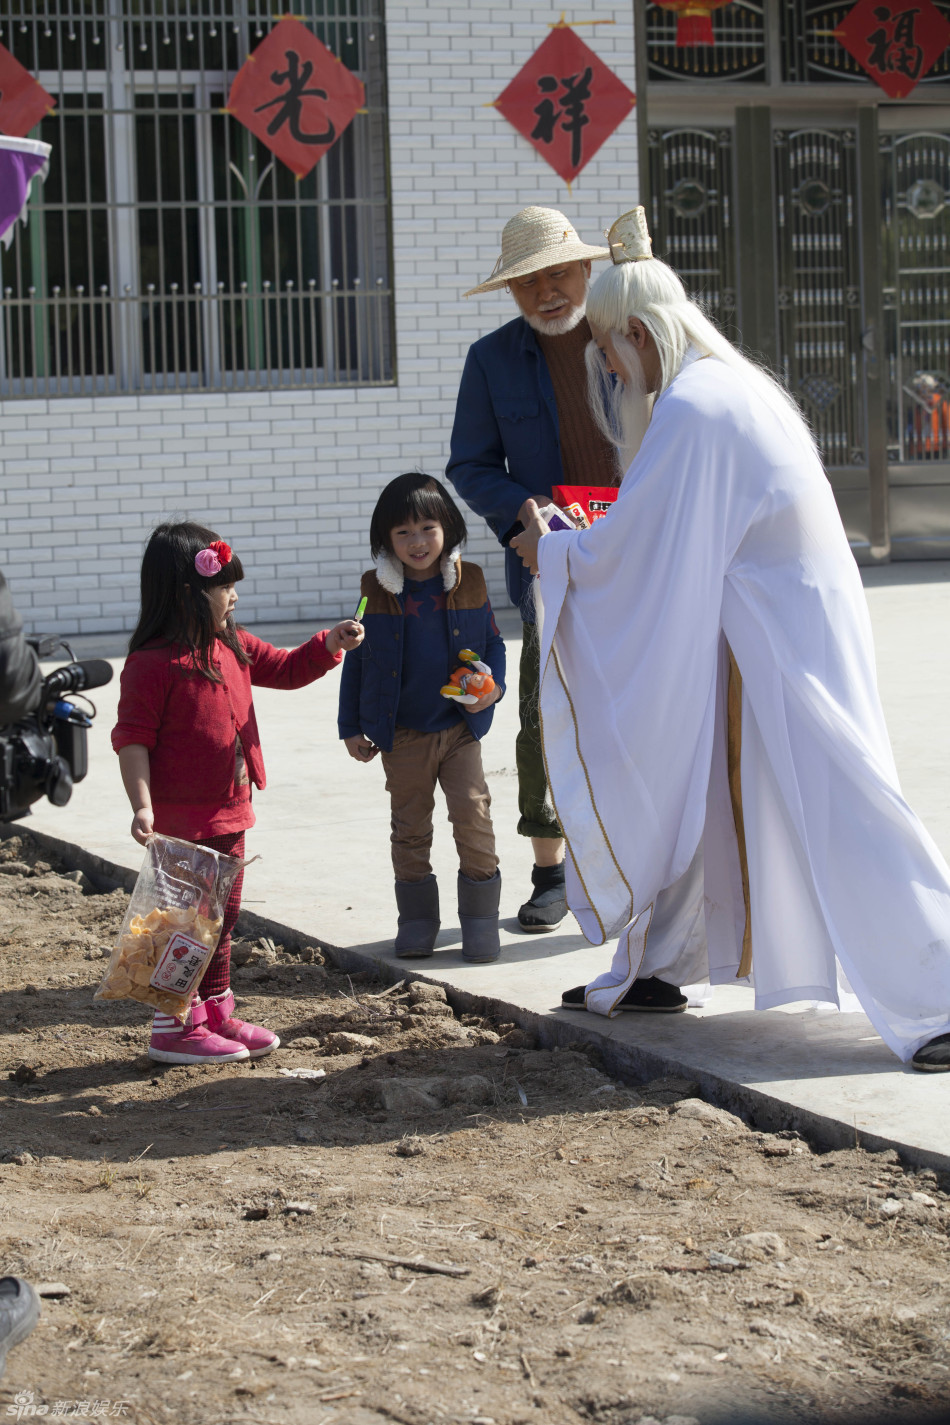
x=169, y=250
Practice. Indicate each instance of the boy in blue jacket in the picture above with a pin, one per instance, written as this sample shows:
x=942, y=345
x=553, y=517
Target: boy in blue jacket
x=423, y=606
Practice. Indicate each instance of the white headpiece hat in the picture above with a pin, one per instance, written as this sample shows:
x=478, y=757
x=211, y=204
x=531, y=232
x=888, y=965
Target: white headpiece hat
x=533, y=239
x=629, y=237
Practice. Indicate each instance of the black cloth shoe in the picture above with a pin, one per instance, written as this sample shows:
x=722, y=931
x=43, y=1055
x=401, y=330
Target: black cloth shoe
x=933, y=1058
x=650, y=996
x=19, y=1313
x=548, y=904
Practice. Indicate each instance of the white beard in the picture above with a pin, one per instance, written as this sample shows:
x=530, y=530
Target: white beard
x=635, y=407
x=621, y=409
x=561, y=325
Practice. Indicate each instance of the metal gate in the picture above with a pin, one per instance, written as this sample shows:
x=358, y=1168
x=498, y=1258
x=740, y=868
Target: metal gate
x=826, y=249
x=819, y=286
x=915, y=269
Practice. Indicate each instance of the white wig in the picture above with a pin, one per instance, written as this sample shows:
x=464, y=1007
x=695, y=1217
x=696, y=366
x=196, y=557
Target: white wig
x=652, y=292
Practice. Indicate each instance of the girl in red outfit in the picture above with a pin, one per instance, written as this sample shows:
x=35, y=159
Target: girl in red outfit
x=189, y=749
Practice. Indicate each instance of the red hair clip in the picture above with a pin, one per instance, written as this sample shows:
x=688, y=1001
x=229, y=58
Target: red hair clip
x=213, y=559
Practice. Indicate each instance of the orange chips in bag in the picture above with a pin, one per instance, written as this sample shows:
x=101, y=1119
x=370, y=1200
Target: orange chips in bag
x=172, y=926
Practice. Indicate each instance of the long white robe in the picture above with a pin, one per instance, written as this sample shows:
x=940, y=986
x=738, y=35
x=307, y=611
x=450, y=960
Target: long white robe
x=726, y=532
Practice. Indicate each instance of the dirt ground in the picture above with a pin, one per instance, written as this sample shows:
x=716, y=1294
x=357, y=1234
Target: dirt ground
x=451, y=1225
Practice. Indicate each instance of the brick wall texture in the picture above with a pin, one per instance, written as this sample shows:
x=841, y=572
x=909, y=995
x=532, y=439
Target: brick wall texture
x=290, y=478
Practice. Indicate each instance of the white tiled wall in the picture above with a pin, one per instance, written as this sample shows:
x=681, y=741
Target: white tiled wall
x=290, y=478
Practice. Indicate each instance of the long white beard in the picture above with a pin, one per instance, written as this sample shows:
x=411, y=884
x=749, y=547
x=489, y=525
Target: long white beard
x=561, y=326
x=538, y=606
x=635, y=406
x=621, y=408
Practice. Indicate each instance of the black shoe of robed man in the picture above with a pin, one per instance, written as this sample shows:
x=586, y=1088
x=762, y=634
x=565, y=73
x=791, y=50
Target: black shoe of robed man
x=649, y=996
x=933, y=1058
x=19, y=1313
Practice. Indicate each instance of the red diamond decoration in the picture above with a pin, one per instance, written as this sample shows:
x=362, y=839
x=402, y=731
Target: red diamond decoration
x=896, y=43
x=23, y=100
x=565, y=101
x=295, y=96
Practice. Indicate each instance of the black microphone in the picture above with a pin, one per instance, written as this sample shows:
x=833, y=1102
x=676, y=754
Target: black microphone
x=75, y=677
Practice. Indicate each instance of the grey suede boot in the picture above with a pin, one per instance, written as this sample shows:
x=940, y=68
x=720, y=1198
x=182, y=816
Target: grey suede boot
x=478, y=916
x=418, y=905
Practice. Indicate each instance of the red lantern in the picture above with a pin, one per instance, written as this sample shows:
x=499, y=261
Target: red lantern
x=694, y=25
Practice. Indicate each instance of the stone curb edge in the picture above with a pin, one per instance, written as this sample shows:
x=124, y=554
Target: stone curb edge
x=627, y=1062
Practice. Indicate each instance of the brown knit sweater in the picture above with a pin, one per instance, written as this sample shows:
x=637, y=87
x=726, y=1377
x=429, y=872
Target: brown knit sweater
x=586, y=457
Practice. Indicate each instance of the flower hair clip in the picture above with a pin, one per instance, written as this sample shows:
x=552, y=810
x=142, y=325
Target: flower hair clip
x=213, y=559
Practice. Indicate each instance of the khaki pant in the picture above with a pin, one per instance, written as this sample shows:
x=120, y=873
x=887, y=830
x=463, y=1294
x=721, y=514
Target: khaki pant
x=534, y=801
x=453, y=759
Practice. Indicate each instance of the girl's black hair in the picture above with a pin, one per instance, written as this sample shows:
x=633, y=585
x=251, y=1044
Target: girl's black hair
x=174, y=607
x=414, y=496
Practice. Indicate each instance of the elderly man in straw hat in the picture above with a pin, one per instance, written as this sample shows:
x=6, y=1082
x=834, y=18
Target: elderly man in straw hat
x=720, y=762
x=523, y=425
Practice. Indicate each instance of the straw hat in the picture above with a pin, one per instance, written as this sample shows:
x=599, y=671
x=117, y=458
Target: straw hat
x=629, y=238
x=533, y=239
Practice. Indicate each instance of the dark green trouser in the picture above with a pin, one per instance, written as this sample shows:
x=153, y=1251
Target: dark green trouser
x=537, y=813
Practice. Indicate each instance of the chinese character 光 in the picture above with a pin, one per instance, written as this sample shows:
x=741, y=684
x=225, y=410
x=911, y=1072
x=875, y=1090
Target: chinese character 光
x=291, y=101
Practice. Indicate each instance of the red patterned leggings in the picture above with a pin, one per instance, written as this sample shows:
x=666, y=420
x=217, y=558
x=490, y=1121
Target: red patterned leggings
x=217, y=977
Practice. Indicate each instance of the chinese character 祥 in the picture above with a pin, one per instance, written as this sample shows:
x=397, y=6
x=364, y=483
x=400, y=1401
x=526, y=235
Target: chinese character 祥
x=565, y=101
x=577, y=91
x=296, y=78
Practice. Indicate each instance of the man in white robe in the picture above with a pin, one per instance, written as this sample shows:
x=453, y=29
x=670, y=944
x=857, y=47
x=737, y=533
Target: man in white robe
x=725, y=550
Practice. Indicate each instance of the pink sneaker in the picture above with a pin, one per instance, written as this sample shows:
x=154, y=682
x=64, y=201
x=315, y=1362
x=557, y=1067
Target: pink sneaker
x=257, y=1040
x=176, y=1041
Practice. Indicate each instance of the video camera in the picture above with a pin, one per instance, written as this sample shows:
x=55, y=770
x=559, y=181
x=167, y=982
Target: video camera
x=44, y=754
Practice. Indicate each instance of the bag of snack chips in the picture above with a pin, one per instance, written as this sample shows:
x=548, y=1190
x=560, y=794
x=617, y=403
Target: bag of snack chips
x=172, y=926
x=585, y=503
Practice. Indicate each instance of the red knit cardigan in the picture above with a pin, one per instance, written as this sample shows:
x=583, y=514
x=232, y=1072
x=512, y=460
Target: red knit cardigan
x=190, y=727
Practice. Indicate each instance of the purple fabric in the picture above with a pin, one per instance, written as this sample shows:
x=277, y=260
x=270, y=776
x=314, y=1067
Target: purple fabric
x=16, y=173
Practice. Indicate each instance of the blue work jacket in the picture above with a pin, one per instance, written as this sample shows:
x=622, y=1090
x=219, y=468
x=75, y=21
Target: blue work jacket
x=505, y=440
x=372, y=673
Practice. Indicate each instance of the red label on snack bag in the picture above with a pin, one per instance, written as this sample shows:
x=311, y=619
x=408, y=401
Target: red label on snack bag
x=181, y=965
x=594, y=500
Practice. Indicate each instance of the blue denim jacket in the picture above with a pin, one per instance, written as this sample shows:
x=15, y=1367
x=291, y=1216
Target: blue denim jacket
x=371, y=676
x=505, y=440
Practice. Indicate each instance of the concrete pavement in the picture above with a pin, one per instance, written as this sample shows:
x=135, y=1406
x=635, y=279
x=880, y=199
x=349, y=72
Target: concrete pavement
x=323, y=828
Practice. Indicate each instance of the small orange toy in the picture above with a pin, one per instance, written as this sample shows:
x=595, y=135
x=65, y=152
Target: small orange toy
x=471, y=683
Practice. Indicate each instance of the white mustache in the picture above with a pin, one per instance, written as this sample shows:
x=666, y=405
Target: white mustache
x=551, y=306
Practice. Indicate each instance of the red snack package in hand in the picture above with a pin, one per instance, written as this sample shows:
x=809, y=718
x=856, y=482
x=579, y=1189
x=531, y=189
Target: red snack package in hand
x=594, y=500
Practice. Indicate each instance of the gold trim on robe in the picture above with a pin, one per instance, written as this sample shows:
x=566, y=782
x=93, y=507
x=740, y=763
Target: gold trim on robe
x=734, y=761
x=553, y=658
